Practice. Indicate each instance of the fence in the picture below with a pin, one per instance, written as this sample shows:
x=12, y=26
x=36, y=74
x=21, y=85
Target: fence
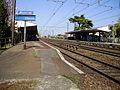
x=5, y=42
x=111, y=40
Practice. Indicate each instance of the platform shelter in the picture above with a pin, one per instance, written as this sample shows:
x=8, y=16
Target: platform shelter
x=94, y=35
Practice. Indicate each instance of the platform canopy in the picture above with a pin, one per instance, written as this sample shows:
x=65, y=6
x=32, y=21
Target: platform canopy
x=93, y=30
x=21, y=24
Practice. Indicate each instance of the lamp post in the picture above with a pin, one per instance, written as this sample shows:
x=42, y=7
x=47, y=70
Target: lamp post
x=13, y=19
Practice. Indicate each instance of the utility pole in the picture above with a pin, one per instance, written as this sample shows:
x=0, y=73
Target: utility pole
x=67, y=27
x=53, y=32
x=13, y=19
x=113, y=32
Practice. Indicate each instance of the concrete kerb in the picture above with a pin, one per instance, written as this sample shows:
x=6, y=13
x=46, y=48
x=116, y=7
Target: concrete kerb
x=63, y=59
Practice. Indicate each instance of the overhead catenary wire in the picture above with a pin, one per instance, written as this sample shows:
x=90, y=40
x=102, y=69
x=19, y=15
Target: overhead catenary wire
x=95, y=14
x=85, y=8
x=99, y=13
x=107, y=17
x=55, y=12
x=76, y=1
x=76, y=13
x=119, y=3
x=54, y=7
x=57, y=1
x=92, y=5
x=68, y=13
x=51, y=27
x=72, y=9
x=100, y=6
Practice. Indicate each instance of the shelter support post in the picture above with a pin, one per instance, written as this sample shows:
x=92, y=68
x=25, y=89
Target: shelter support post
x=24, y=46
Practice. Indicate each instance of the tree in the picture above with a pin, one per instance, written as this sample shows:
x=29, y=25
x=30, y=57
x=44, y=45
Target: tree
x=4, y=16
x=82, y=22
x=116, y=29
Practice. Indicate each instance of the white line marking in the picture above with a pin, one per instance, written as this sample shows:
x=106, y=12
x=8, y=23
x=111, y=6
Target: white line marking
x=63, y=59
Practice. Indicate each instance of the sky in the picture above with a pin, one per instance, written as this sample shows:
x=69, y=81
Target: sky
x=52, y=15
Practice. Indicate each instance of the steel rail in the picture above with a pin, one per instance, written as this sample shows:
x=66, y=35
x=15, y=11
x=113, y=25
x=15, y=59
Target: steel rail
x=91, y=67
x=96, y=50
x=116, y=67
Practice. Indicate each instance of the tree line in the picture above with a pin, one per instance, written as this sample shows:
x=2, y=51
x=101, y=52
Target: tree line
x=4, y=20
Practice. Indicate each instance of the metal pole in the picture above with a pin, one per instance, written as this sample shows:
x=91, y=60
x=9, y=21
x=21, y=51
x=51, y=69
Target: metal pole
x=13, y=19
x=24, y=46
x=52, y=32
x=67, y=27
x=113, y=32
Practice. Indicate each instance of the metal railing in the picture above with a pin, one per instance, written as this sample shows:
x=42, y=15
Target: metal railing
x=5, y=42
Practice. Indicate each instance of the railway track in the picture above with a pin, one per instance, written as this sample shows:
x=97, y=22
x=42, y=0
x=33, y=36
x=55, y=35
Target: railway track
x=77, y=45
x=108, y=70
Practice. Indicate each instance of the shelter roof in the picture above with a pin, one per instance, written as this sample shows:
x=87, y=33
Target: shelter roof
x=88, y=31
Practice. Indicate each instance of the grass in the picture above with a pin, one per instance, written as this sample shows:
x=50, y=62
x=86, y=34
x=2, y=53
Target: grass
x=2, y=50
x=5, y=48
x=34, y=55
x=75, y=80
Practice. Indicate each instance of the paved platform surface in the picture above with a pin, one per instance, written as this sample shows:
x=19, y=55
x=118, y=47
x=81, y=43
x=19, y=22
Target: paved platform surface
x=16, y=63
x=55, y=83
x=51, y=63
x=37, y=61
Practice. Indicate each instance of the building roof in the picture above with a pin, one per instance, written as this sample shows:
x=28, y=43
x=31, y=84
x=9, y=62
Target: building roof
x=100, y=29
x=105, y=28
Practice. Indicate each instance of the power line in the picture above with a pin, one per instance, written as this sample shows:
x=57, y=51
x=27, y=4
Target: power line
x=51, y=27
x=85, y=8
x=57, y=1
x=100, y=13
x=74, y=8
x=55, y=12
x=77, y=1
x=53, y=15
x=97, y=13
x=101, y=5
x=107, y=17
x=78, y=12
x=68, y=12
x=119, y=3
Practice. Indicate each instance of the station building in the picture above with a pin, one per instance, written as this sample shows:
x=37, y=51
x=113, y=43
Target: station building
x=93, y=35
x=31, y=30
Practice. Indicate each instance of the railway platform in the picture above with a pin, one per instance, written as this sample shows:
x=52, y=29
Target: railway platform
x=51, y=63
x=38, y=61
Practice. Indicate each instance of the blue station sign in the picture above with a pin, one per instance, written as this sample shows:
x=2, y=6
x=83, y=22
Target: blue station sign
x=25, y=12
x=22, y=17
